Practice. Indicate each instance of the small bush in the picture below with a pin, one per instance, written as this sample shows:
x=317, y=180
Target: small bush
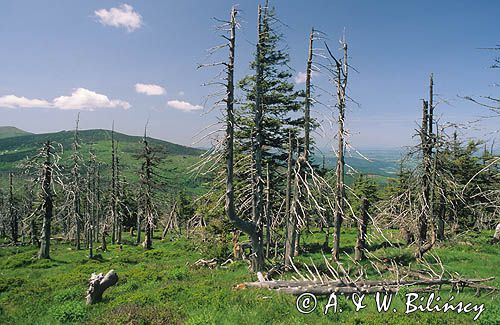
x=69, y=294
x=67, y=312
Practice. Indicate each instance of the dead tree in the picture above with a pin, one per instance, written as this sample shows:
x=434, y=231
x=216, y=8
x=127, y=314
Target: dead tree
x=251, y=228
x=302, y=178
x=362, y=226
x=113, y=199
x=258, y=195
x=75, y=188
x=341, y=73
x=146, y=176
x=291, y=222
x=14, y=223
x=426, y=217
x=98, y=283
x=47, y=201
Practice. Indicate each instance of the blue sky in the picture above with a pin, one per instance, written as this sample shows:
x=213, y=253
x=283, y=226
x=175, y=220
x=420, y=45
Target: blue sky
x=61, y=57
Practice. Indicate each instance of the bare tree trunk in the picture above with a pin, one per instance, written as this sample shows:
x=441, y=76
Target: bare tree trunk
x=47, y=204
x=14, y=224
x=362, y=225
x=341, y=81
x=249, y=228
x=268, y=212
x=291, y=223
x=138, y=225
x=257, y=238
x=147, y=181
x=113, y=187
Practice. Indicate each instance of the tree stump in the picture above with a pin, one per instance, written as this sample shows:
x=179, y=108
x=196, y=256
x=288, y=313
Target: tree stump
x=98, y=283
x=496, y=237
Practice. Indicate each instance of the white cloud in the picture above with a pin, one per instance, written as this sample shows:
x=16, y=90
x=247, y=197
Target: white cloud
x=181, y=93
x=149, y=89
x=85, y=99
x=81, y=98
x=123, y=16
x=183, y=106
x=300, y=78
x=12, y=101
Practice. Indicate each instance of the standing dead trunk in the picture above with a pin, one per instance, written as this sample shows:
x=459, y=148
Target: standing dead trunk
x=268, y=212
x=75, y=174
x=104, y=246
x=44, y=251
x=341, y=73
x=257, y=238
x=362, y=225
x=113, y=187
x=14, y=224
x=98, y=284
x=250, y=228
x=147, y=175
x=291, y=223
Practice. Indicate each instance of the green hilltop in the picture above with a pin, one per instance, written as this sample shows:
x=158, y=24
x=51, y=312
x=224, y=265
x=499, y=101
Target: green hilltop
x=173, y=169
x=11, y=131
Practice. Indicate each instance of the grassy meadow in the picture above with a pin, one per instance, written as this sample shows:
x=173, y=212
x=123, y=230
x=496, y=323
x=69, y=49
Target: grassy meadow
x=161, y=286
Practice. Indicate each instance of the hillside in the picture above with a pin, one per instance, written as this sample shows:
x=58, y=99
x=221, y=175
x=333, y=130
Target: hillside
x=173, y=167
x=11, y=131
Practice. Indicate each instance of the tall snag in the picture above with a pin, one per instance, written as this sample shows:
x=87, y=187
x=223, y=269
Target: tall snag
x=340, y=73
x=44, y=251
x=114, y=194
x=75, y=188
x=426, y=217
x=146, y=177
x=252, y=228
x=291, y=222
x=14, y=223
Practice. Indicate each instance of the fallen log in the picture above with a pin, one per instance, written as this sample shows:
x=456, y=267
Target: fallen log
x=98, y=283
x=318, y=287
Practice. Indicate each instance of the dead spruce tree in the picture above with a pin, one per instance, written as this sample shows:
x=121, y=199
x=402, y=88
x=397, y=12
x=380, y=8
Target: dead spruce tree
x=340, y=74
x=148, y=163
x=13, y=214
x=225, y=151
x=114, y=189
x=427, y=143
x=47, y=197
x=75, y=187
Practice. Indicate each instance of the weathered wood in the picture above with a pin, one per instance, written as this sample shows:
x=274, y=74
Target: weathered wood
x=364, y=286
x=44, y=251
x=250, y=228
x=362, y=225
x=496, y=236
x=98, y=284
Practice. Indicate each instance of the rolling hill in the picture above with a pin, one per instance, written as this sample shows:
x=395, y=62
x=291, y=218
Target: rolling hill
x=173, y=167
x=10, y=131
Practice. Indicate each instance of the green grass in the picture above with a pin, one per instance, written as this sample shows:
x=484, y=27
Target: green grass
x=160, y=287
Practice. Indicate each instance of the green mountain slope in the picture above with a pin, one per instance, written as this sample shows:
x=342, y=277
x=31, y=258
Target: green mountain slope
x=11, y=131
x=176, y=160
